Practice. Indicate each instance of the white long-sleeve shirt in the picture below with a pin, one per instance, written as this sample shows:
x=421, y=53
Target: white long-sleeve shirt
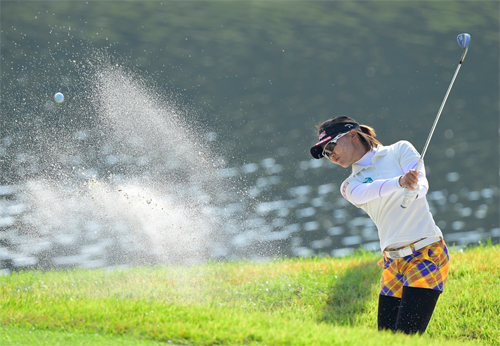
x=374, y=187
x=363, y=192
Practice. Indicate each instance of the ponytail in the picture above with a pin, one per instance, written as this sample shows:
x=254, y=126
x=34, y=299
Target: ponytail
x=367, y=135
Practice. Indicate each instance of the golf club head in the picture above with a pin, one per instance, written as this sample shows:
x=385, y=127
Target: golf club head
x=463, y=40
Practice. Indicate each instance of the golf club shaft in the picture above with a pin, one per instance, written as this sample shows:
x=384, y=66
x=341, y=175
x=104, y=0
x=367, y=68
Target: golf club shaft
x=439, y=112
x=419, y=165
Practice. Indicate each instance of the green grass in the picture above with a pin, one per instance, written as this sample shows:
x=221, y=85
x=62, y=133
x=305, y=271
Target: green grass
x=316, y=301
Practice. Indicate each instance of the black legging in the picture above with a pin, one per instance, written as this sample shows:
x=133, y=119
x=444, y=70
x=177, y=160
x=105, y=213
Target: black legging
x=409, y=314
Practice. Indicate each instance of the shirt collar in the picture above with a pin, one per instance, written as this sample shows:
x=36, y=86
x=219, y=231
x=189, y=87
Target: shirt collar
x=378, y=151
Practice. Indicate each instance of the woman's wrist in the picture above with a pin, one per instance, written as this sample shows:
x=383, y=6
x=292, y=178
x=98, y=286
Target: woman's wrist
x=399, y=181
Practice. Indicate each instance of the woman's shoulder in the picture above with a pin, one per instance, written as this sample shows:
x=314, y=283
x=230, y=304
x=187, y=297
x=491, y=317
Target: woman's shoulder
x=401, y=145
x=403, y=150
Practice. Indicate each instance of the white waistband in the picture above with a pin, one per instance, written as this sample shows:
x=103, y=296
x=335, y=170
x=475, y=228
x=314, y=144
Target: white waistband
x=407, y=250
x=426, y=241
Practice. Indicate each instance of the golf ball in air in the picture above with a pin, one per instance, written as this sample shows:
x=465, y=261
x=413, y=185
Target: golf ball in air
x=59, y=97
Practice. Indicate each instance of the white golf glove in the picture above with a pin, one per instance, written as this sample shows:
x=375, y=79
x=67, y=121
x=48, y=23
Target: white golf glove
x=412, y=195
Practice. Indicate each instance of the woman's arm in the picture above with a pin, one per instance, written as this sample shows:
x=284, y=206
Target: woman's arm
x=362, y=193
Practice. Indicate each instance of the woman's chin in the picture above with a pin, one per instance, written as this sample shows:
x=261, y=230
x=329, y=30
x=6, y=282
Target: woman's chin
x=343, y=164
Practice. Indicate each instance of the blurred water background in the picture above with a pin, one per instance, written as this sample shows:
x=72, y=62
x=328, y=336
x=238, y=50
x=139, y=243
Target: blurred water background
x=185, y=131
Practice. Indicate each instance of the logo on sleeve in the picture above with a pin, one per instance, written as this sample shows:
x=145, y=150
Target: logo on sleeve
x=344, y=188
x=368, y=180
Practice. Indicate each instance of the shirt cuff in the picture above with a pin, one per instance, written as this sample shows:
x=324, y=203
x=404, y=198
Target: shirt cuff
x=397, y=183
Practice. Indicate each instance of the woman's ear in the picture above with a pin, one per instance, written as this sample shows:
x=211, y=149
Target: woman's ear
x=353, y=134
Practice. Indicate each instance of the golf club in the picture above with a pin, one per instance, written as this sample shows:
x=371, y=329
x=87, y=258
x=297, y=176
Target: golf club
x=463, y=41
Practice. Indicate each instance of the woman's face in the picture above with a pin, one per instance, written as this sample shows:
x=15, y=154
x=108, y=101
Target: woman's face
x=347, y=150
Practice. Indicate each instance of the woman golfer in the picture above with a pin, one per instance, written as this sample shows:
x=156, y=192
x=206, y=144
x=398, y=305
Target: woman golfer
x=415, y=263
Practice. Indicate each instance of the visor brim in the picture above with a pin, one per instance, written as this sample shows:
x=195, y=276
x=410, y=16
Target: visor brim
x=317, y=150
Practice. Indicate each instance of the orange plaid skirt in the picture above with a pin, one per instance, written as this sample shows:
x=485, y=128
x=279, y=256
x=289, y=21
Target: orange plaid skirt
x=425, y=268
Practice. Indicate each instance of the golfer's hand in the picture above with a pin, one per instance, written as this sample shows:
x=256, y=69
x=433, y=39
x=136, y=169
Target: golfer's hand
x=409, y=180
